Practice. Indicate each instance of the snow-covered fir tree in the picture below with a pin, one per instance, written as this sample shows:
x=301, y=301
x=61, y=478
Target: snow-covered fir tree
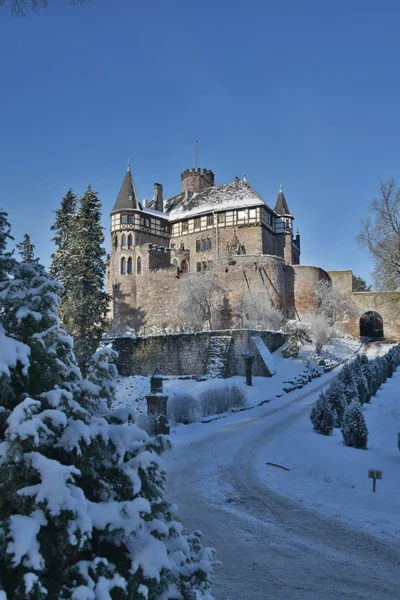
x=27, y=250
x=82, y=510
x=322, y=415
x=337, y=399
x=354, y=428
x=6, y=260
x=350, y=386
x=61, y=267
x=85, y=302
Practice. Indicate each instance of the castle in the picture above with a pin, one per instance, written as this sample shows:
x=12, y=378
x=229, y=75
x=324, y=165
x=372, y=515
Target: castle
x=227, y=229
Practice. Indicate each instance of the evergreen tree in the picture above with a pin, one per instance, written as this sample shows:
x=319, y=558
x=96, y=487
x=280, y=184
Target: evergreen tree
x=354, y=428
x=337, y=399
x=6, y=260
x=350, y=387
x=322, y=415
x=61, y=267
x=81, y=267
x=26, y=250
x=82, y=509
x=361, y=381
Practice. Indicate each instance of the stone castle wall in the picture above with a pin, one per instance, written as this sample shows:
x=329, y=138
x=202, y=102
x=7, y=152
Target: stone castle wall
x=305, y=282
x=187, y=353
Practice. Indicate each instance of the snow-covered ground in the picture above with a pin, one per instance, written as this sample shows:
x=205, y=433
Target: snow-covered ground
x=332, y=478
x=316, y=532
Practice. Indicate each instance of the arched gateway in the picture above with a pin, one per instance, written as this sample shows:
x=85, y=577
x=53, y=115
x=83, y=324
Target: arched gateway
x=371, y=325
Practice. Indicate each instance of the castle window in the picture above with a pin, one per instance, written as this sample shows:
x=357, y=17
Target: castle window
x=209, y=244
x=185, y=226
x=123, y=265
x=129, y=269
x=175, y=262
x=197, y=223
x=129, y=241
x=123, y=241
x=198, y=245
x=221, y=218
x=139, y=265
x=130, y=218
x=204, y=244
x=185, y=266
x=210, y=219
x=124, y=219
x=241, y=215
x=115, y=242
x=147, y=222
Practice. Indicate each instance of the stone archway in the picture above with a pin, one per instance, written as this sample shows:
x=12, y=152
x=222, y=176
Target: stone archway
x=185, y=266
x=371, y=325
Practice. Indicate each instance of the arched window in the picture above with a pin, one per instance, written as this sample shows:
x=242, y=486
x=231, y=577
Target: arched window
x=129, y=265
x=209, y=243
x=129, y=241
x=175, y=262
x=185, y=266
x=123, y=241
x=139, y=265
x=115, y=241
x=198, y=245
x=123, y=265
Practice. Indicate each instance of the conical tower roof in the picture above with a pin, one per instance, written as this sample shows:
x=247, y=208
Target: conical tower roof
x=281, y=206
x=127, y=198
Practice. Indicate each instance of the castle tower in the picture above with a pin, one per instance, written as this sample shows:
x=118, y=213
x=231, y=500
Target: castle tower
x=196, y=180
x=284, y=228
x=121, y=285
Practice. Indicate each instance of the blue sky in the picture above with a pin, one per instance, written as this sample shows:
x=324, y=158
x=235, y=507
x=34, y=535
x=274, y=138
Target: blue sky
x=306, y=92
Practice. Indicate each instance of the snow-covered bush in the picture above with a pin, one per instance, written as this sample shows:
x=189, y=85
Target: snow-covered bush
x=350, y=386
x=322, y=415
x=361, y=381
x=221, y=399
x=182, y=408
x=82, y=508
x=321, y=331
x=298, y=337
x=337, y=399
x=354, y=428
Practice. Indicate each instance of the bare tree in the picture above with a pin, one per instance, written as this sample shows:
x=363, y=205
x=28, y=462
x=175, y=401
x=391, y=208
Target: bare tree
x=334, y=306
x=200, y=300
x=381, y=236
x=20, y=8
x=257, y=311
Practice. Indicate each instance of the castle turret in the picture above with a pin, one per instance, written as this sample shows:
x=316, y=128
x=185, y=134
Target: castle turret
x=127, y=197
x=283, y=229
x=196, y=180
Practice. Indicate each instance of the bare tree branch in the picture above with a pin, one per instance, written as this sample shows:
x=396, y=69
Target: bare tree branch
x=20, y=8
x=381, y=236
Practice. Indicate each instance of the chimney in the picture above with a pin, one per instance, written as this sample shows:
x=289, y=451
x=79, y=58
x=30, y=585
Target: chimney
x=158, y=197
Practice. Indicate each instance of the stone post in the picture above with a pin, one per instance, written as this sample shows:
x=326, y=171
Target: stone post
x=248, y=361
x=157, y=405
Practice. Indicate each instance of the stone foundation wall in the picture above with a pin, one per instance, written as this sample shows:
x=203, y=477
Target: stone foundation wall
x=186, y=353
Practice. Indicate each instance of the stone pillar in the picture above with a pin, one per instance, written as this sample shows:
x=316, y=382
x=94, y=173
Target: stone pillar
x=157, y=405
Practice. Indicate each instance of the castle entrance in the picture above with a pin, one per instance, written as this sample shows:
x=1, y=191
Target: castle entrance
x=185, y=266
x=371, y=325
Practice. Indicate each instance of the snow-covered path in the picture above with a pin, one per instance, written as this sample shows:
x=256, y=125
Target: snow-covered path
x=271, y=548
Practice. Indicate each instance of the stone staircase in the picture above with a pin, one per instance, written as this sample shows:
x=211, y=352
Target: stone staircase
x=218, y=356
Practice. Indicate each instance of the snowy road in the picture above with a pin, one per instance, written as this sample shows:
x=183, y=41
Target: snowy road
x=271, y=548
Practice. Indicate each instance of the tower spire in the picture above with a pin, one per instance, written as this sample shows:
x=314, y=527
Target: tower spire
x=129, y=165
x=281, y=187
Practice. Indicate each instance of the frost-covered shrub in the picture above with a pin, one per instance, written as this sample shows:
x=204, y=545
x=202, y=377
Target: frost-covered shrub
x=350, y=386
x=221, y=399
x=298, y=337
x=337, y=400
x=322, y=415
x=182, y=408
x=354, y=428
x=383, y=365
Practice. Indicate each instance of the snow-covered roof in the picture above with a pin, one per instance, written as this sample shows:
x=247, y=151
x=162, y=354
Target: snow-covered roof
x=234, y=195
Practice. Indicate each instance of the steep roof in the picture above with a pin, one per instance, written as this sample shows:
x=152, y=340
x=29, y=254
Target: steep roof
x=127, y=198
x=234, y=195
x=281, y=207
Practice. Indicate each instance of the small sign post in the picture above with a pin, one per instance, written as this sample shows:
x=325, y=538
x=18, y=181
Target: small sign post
x=374, y=475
